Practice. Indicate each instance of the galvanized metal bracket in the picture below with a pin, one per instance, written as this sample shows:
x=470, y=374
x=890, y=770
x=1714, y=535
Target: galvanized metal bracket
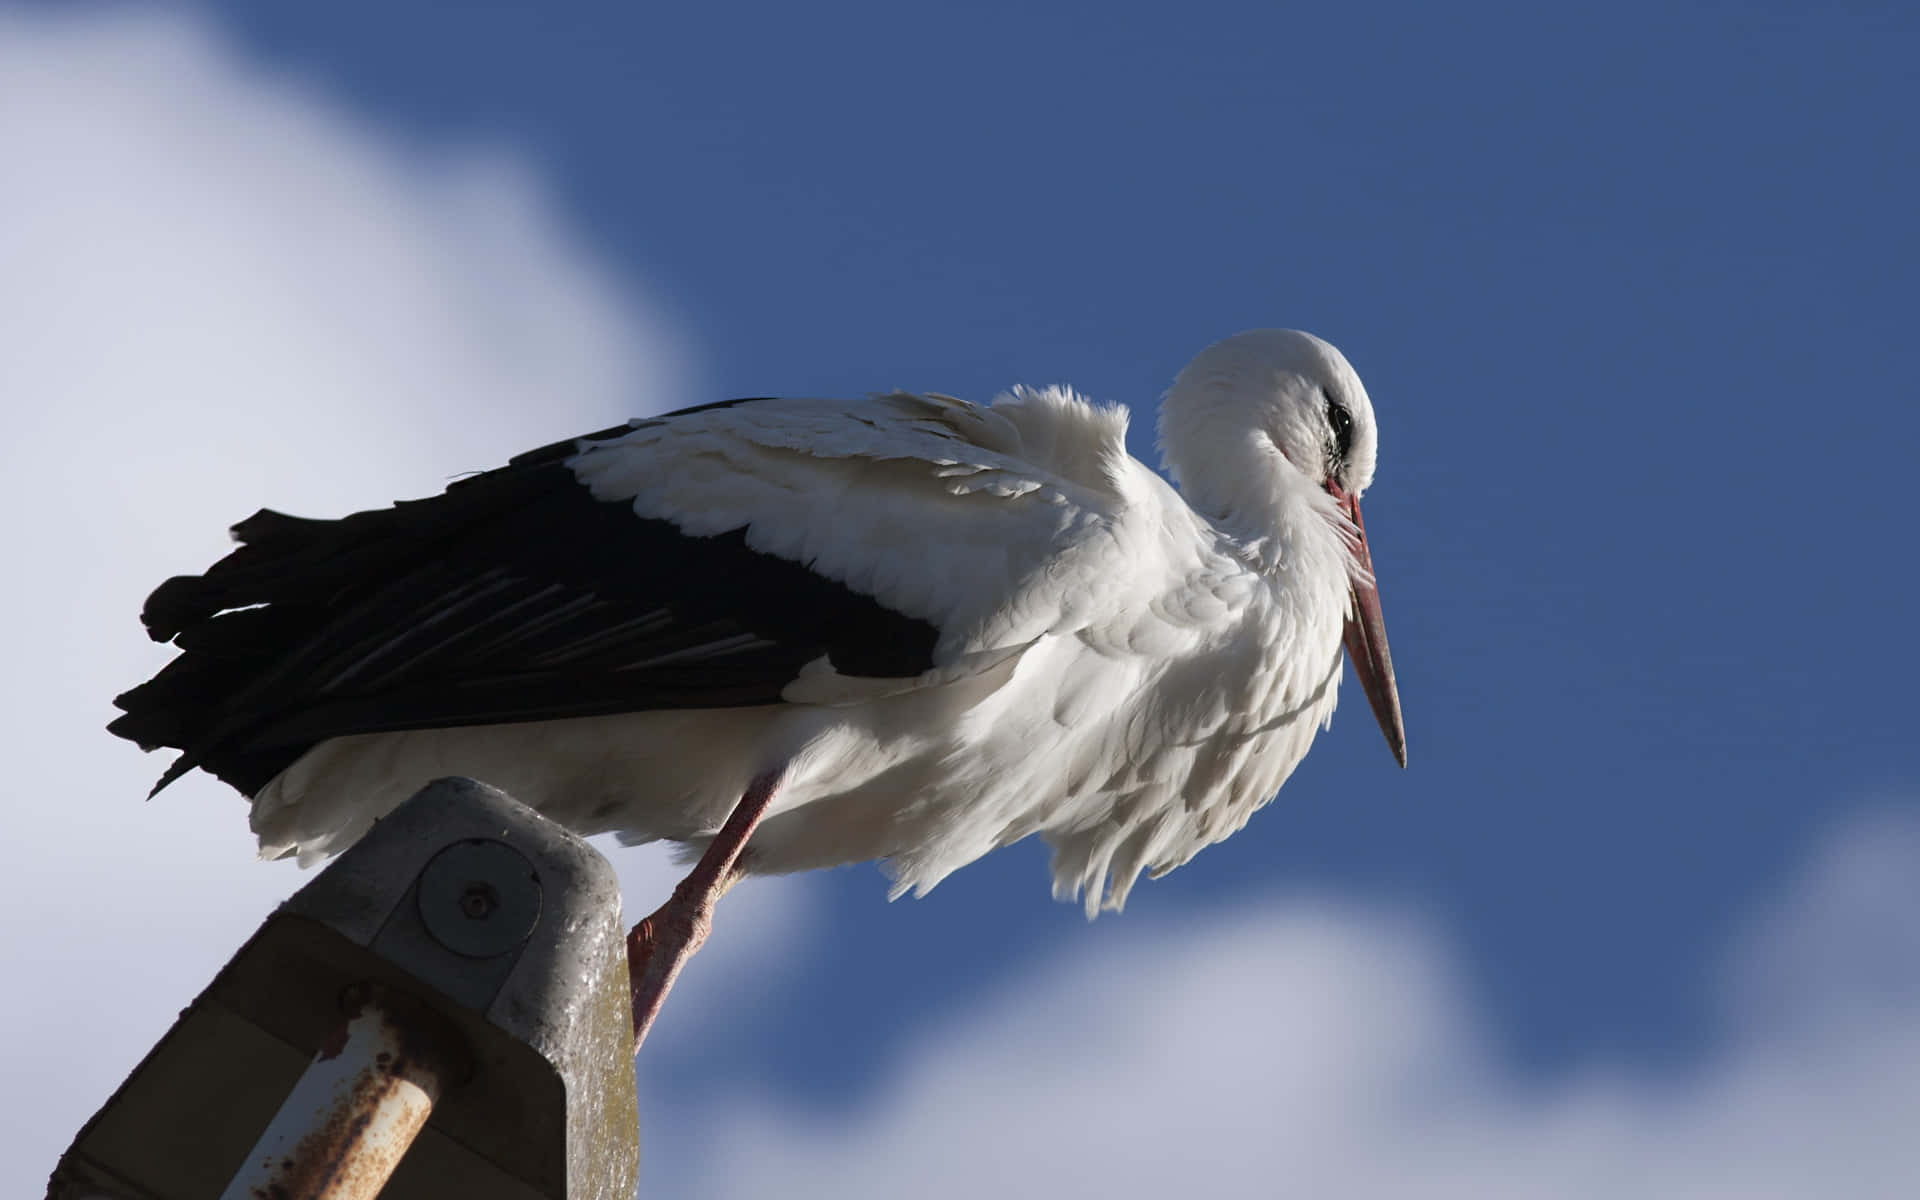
x=462, y=910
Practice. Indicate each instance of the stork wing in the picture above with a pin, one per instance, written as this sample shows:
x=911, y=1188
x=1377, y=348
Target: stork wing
x=736, y=554
x=939, y=509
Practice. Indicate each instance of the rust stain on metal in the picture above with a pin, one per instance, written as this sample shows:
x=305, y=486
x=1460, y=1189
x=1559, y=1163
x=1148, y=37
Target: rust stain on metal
x=352, y=1117
x=355, y=1149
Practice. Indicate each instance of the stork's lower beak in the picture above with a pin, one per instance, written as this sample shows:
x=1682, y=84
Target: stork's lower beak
x=1366, y=639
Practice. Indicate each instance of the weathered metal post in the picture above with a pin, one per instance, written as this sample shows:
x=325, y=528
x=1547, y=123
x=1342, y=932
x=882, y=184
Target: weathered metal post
x=442, y=1012
x=350, y=1119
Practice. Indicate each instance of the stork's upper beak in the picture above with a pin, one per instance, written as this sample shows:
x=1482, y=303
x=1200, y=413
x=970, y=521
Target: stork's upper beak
x=1366, y=638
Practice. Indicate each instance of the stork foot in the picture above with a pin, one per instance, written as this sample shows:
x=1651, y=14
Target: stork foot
x=660, y=945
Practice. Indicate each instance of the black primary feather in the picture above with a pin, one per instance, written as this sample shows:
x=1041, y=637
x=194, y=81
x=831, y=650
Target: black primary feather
x=513, y=596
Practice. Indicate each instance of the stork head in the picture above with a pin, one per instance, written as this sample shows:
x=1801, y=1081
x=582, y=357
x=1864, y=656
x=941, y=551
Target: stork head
x=1258, y=426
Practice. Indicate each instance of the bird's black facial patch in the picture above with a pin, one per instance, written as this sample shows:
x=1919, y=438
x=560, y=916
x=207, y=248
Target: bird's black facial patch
x=1340, y=439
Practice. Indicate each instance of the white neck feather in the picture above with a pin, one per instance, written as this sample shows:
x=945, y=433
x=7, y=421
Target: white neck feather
x=1231, y=472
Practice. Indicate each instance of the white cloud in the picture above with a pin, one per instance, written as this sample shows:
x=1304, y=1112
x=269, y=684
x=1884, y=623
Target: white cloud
x=1297, y=1049
x=219, y=289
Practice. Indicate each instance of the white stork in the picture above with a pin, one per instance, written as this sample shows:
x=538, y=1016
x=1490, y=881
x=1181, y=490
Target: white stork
x=905, y=628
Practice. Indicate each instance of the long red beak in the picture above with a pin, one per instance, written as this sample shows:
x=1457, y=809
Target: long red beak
x=1366, y=639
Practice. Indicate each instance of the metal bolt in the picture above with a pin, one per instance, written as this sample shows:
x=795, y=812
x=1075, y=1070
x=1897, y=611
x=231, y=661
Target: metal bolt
x=479, y=900
x=479, y=897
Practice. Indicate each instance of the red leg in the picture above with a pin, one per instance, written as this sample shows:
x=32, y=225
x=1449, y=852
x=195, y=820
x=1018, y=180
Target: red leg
x=662, y=943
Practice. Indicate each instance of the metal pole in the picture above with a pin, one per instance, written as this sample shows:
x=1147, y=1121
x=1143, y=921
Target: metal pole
x=350, y=1118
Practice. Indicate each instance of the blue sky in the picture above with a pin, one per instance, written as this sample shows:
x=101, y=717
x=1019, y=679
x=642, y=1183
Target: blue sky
x=1629, y=286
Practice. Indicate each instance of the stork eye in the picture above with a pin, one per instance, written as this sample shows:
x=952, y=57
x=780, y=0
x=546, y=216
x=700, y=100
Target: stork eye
x=1340, y=421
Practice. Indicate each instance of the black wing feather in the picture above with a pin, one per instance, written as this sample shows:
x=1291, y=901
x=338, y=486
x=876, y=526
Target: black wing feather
x=514, y=596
